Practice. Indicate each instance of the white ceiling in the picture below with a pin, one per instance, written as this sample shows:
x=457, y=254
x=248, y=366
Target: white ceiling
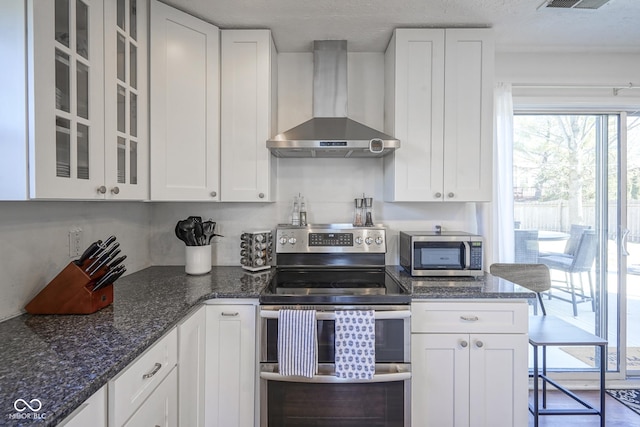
x=367, y=24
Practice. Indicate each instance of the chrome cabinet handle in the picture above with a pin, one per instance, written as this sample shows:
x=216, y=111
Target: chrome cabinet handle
x=450, y=195
x=115, y=190
x=102, y=189
x=261, y=195
x=438, y=195
x=214, y=194
x=479, y=344
x=470, y=318
x=464, y=344
x=155, y=370
x=230, y=314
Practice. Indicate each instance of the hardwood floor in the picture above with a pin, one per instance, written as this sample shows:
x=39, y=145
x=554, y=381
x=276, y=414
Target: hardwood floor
x=616, y=414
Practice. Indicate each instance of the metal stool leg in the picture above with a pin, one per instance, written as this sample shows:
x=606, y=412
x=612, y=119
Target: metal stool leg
x=535, y=387
x=603, y=370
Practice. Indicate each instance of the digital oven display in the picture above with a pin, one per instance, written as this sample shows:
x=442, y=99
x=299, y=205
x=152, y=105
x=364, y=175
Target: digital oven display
x=330, y=239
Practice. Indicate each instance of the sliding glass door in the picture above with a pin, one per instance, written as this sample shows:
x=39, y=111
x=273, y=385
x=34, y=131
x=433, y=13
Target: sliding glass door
x=630, y=244
x=570, y=187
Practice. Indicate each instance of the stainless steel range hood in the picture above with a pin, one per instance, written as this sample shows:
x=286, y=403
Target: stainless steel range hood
x=330, y=133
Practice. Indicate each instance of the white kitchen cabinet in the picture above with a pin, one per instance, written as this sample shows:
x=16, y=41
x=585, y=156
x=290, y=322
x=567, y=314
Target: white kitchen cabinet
x=85, y=141
x=126, y=153
x=248, y=115
x=439, y=103
x=230, y=372
x=134, y=389
x=184, y=106
x=93, y=412
x=469, y=364
x=161, y=408
x=191, y=365
x=65, y=59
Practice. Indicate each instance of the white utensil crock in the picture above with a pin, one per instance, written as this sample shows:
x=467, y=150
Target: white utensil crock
x=198, y=259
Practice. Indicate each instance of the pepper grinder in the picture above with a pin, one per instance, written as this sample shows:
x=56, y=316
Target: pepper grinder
x=368, y=207
x=357, y=213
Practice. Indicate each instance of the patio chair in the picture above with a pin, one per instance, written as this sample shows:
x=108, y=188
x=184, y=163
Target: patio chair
x=546, y=331
x=572, y=243
x=526, y=246
x=581, y=262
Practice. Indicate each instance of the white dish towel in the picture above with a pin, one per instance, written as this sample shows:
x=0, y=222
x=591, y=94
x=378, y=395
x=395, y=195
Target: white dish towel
x=355, y=344
x=297, y=343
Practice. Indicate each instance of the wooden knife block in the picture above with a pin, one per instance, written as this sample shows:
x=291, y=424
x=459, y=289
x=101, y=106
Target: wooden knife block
x=70, y=293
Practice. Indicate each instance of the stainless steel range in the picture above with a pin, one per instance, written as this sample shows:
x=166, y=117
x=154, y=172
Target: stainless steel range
x=331, y=268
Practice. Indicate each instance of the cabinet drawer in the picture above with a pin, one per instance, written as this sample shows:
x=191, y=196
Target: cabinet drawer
x=494, y=317
x=136, y=382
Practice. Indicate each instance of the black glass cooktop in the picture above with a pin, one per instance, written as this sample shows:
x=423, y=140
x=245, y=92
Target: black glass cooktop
x=333, y=286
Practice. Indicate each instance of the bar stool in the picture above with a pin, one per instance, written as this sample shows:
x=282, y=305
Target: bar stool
x=547, y=331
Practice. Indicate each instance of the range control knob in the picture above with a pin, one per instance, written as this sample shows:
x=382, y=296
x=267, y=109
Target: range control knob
x=368, y=240
x=292, y=240
x=283, y=240
x=379, y=240
x=359, y=240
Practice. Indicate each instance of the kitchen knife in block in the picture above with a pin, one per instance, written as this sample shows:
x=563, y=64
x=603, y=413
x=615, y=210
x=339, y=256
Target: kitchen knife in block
x=68, y=293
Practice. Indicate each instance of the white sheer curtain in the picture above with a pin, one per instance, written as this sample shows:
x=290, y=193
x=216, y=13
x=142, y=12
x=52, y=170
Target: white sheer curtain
x=503, y=248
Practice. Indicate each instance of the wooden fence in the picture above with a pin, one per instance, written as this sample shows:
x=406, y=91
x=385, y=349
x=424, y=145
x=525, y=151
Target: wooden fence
x=554, y=216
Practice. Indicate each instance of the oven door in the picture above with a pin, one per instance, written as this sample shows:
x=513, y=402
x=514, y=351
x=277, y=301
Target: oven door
x=326, y=400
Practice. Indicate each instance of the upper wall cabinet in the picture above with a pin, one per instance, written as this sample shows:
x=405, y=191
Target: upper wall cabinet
x=57, y=149
x=439, y=103
x=248, y=113
x=125, y=95
x=184, y=106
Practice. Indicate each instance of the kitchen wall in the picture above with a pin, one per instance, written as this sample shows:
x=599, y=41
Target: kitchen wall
x=329, y=185
x=35, y=242
x=34, y=234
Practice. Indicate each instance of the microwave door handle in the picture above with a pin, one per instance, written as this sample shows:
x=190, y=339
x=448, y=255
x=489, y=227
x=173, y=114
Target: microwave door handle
x=467, y=255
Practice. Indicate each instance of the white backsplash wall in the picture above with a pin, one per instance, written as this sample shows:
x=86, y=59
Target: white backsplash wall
x=35, y=243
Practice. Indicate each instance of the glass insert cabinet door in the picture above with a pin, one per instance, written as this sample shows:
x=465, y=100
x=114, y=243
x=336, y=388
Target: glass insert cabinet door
x=66, y=134
x=125, y=91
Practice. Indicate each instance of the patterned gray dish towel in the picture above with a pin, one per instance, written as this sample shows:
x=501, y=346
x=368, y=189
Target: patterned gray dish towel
x=355, y=344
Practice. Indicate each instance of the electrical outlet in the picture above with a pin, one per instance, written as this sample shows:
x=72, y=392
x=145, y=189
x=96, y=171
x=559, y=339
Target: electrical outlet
x=75, y=242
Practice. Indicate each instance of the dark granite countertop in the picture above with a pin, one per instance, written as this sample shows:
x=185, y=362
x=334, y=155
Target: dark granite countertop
x=481, y=287
x=62, y=360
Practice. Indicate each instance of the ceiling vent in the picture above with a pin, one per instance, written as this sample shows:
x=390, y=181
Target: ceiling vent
x=574, y=4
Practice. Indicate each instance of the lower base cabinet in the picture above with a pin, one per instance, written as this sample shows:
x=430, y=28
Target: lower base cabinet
x=469, y=365
x=230, y=368
x=147, y=389
x=93, y=412
x=161, y=407
x=191, y=360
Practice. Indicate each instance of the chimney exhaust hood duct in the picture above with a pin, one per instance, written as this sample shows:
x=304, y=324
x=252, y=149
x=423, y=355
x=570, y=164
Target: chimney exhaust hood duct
x=330, y=133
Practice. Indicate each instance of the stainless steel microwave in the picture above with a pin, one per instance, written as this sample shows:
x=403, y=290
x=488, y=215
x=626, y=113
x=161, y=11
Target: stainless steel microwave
x=447, y=253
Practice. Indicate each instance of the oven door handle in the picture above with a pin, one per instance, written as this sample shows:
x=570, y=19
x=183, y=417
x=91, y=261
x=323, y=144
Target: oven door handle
x=393, y=372
x=328, y=315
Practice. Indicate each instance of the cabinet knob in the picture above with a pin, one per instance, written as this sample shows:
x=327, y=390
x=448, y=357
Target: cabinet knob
x=115, y=190
x=450, y=195
x=102, y=189
x=214, y=194
x=479, y=344
x=261, y=195
x=464, y=344
x=438, y=195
